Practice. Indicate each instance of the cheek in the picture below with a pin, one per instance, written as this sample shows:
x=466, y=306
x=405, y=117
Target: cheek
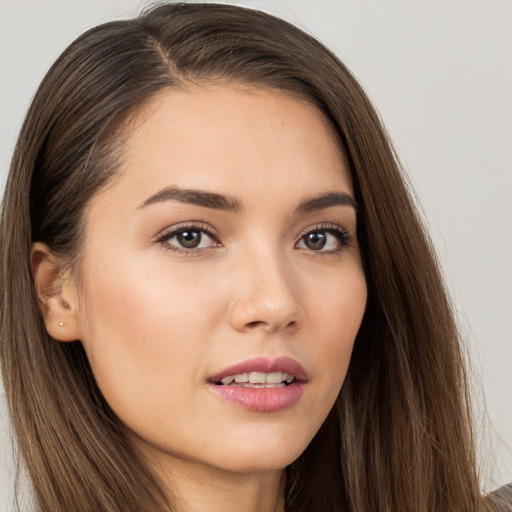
x=143, y=327
x=338, y=312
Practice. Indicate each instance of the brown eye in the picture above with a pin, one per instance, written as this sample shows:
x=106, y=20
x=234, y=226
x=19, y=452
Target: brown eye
x=189, y=239
x=325, y=240
x=315, y=241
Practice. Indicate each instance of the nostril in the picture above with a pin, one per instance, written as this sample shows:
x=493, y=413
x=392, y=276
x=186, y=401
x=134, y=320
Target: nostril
x=267, y=325
x=257, y=323
x=254, y=313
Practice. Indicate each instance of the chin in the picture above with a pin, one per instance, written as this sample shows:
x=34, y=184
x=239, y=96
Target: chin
x=260, y=462
x=261, y=452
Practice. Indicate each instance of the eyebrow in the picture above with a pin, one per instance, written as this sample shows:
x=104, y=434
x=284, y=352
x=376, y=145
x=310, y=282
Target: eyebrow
x=196, y=197
x=326, y=200
x=228, y=203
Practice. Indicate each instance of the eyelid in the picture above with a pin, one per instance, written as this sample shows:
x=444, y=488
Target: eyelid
x=174, y=230
x=344, y=235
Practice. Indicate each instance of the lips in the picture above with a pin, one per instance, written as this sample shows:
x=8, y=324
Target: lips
x=261, y=384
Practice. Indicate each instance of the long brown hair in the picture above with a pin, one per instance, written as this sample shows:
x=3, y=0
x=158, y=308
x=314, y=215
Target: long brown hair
x=399, y=436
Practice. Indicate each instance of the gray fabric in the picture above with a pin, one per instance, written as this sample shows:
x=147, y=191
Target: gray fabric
x=501, y=499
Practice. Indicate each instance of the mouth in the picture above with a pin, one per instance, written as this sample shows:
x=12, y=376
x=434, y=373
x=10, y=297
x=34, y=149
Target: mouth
x=261, y=371
x=258, y=380
x=261, y=384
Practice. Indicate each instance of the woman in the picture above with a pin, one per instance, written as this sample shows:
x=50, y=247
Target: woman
x=203, y=226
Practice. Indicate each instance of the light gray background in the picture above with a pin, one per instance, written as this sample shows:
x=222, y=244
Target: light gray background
x=440, y=73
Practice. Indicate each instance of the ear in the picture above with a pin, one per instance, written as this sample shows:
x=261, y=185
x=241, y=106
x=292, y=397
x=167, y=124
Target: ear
x=56, y=294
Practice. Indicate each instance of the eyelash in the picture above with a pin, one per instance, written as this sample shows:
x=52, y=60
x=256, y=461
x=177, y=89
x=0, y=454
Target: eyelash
x=343, y=236
x=194, y=227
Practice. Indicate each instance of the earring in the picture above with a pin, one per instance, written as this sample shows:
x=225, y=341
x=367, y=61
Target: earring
x=61, y=324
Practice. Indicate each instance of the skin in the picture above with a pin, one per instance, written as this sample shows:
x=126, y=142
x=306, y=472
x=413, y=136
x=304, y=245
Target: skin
x=157, y=320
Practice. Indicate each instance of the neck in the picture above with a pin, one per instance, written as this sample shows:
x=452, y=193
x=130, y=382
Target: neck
x=212, y=490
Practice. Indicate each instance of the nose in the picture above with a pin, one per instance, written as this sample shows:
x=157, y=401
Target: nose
x=266, y=296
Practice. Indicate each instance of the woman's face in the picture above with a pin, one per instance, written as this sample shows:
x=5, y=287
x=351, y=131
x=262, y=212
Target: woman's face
x=225, y=251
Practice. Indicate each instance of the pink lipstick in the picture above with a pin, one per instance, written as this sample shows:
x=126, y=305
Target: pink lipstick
x=261, y=384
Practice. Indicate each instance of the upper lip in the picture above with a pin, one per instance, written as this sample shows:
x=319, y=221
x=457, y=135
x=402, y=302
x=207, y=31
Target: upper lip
x=265, y=365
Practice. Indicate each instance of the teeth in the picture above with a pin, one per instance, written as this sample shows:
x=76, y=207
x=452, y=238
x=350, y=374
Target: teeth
x=266, y=386
x=258, y=378
x=227, y=380
x=274, y=378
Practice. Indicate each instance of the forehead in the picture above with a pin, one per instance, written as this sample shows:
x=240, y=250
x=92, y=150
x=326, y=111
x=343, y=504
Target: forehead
x=231, y=139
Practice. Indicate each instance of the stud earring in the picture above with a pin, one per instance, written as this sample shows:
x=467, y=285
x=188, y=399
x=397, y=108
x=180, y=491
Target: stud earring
x=61, y=324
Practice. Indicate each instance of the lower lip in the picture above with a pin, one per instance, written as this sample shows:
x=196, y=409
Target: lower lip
x=261, y=399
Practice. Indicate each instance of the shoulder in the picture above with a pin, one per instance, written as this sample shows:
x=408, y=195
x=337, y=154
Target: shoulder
x=500, y=500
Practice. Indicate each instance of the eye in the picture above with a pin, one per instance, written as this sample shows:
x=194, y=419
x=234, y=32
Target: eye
x=324, y=239
x=188, y=239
